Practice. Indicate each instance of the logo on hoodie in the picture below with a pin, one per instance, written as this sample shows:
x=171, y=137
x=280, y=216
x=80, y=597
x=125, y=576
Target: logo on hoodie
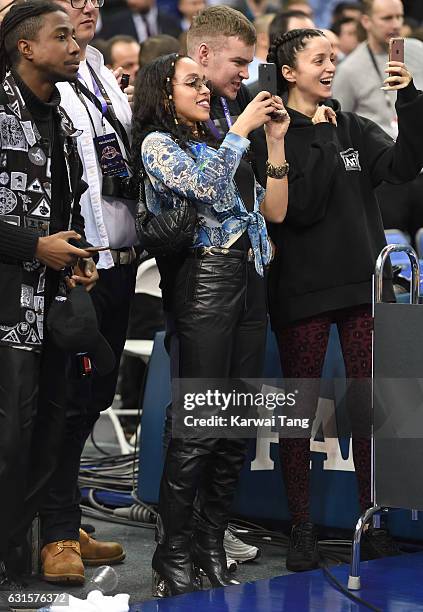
x=351, y=160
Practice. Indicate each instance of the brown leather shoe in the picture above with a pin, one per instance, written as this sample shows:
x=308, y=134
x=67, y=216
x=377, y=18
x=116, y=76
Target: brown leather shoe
x=94, y=552
x=62, y=562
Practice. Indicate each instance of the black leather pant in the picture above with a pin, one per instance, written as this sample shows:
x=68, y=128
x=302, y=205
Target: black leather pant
x=219, y=318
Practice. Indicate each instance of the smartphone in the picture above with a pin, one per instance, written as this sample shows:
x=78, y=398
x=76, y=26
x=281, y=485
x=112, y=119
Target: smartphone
x=396, y=50
x=94, y=249
x=267, y=78
x=124, y=81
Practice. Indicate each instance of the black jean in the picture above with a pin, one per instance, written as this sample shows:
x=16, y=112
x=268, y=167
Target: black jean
x=219, y=319
x=112, y=295
x=32, y=410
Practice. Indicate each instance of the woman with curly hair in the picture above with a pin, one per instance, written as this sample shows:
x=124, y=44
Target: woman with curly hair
x=326, y=251
x=213, y=293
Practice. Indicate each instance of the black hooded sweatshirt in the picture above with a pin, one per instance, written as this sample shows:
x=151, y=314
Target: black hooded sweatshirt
x=333, y=233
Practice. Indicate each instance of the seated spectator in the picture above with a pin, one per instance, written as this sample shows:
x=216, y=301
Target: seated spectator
x=188, y=9
x=287, y=21
x=346, y=31
x=343, y=10
x=408, y=27
x=299, y=5
x=123, y=51
x=157, y=46
x=261, y=25
x=253, y=9
x=140, y=19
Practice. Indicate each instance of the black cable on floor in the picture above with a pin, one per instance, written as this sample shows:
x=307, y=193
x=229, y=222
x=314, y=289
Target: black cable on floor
x=94, y=443
x=345, y=591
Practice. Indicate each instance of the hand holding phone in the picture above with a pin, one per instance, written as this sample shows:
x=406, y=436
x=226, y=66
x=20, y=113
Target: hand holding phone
x=399, y=77
x=396, y=50
x=267, y=74
x=124, y=81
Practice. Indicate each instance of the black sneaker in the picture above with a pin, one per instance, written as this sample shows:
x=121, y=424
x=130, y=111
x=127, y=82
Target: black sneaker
x=377, y=543
x=302, y=554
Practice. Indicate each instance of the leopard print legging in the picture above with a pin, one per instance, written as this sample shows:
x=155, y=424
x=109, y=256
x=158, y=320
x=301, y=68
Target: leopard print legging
x=302, y=348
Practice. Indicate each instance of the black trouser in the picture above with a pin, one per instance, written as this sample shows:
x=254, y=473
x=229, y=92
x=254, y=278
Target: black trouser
x=111, y=297
x=31, y=421
x=145, y=319
x=219, y=316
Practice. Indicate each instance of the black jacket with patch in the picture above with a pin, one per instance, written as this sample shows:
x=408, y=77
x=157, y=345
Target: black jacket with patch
x=32, y=203
x=332, y=235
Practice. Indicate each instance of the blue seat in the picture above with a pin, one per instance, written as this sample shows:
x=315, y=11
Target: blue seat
x=394, y=236
x=419, y=243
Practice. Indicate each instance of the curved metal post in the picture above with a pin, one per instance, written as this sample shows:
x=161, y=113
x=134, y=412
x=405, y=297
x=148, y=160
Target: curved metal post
x=380, y=264
x=354, y=577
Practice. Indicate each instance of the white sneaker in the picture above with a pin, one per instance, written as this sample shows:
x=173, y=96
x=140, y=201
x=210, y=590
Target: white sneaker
x=239, y=550
x=231, y=564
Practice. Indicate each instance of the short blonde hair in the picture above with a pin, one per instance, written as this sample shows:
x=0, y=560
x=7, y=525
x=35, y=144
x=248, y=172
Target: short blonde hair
x=218, y=22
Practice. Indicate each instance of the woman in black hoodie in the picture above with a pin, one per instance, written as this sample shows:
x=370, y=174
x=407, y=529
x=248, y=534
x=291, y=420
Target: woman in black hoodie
x=326, y=252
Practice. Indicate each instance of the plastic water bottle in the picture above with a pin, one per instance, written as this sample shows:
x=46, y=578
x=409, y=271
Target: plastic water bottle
x=104, y=579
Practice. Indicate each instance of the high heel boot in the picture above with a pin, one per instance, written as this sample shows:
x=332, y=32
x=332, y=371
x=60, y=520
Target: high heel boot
x=173, y=569
x=209, y=555
x=212, y=508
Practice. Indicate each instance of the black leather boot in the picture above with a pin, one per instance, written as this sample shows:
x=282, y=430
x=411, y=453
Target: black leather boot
x=212, y=508
x=173, y=569
x=209, y=555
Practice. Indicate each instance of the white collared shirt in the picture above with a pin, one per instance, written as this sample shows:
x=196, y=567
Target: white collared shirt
x=108, y=221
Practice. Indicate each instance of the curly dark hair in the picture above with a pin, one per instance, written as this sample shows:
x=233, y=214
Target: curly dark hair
x=283, y=51
x=154, y=109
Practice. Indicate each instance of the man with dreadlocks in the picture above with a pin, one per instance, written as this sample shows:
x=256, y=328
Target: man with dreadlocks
x=39, y=215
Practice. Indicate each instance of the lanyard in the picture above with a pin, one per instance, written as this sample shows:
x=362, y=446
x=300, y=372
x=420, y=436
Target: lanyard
x=81, y=97
x=99, y=95
x=226, y=111
x=108, y=111
x=376, y=67
x=104, y=97
x=228, y=118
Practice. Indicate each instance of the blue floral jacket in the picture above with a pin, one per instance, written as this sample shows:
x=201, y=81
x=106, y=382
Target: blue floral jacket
x=205, y=176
